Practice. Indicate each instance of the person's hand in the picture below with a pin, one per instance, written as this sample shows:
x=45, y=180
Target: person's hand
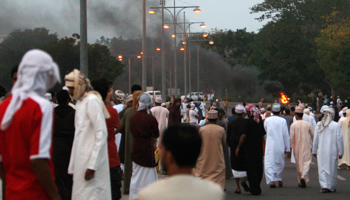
x=89, y=174
x=236, y=152
x=288, y=154
x=340, y=157
x=315, y=155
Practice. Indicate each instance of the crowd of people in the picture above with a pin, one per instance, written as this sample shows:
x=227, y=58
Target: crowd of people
x=89, y=141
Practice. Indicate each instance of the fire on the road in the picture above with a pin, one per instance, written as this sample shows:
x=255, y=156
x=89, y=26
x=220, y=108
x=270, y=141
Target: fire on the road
x=284, y=99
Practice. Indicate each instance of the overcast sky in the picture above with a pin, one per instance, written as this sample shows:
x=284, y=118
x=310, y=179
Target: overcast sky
x=114, y=18
x=223, y=14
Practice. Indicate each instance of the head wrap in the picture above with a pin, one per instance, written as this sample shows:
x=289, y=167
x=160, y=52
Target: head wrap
x=127, y=100
x=135, y=98
x=307, y=111
x=323, y=108
x=80, y=83
x=82, y=88
x=298, y=109
x=145, y=101
x=276, y=107
x=326, y=120
x=119, y=95
x=348, y=117
x=158, y=100
x=239, y=109
x=213, y=114
x=254, y=111
x=37, y=73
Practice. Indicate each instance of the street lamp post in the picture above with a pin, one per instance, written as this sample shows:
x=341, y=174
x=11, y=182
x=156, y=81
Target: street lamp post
x=128, y=56
x=83, y=39
x=174, y=14
x=144, y=47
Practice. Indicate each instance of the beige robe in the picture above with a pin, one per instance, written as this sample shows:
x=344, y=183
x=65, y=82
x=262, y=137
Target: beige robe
x=300, y=142
x=346, y=138
x=211, y=163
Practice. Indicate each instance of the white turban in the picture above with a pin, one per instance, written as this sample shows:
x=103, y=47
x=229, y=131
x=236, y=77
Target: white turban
x=37, y=73
x=145, y=101
x=326, y=120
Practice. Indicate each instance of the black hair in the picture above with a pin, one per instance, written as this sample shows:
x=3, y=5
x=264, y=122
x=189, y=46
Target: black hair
x=300, y=115
x=2, y=91
x=14, y=70
x=233, y=111
x=101, y=86
x=187, y=153
x=292, y=109
x=62, y=97
x=135, y=88
x=212, y=120
x=221, y=111
x=287, y=111
x=276, y=113
x=177, y=100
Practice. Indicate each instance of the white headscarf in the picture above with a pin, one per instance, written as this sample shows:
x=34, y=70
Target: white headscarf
x=37, y=73
x=145, y=101
x=326, y=120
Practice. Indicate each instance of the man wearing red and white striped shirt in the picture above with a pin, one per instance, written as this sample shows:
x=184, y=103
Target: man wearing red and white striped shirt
x=26, y=131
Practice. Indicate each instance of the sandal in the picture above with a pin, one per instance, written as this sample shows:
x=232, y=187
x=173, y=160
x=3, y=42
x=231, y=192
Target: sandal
x=272, y=186
x=303, y=184
x=245, y=186
x=237, y=192
x=280, y=183
x=325, y=190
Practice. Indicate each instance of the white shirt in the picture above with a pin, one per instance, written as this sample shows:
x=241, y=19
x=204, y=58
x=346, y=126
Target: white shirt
x=184, y=187
x=193, y=115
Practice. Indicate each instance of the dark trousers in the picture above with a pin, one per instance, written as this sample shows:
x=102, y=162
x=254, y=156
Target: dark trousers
x=116, y=182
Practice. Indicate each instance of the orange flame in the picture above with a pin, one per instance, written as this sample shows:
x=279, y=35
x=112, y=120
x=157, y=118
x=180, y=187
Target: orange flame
x=284, y=99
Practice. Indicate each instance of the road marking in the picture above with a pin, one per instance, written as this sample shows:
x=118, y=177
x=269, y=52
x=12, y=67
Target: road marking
x=341, y=178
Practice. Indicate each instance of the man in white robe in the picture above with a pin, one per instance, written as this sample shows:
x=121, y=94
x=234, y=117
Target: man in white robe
x=277, y=143
x=162, y=116
x=328, y=147
x=89, y=158
x=300, y=131
x=345, y=126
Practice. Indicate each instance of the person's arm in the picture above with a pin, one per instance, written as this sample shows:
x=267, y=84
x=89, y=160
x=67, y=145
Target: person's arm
x=340, y=143
x=292, y=136
x=43, y=174
x=121, y=128
x=315, y=143
x=98, y=122
x=241, y=140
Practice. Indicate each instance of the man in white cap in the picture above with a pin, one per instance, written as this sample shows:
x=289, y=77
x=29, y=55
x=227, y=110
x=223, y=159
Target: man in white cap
x=236, y=133
x=144, y=129
x=89, y=158
x=300, y=132
x=193, y=115
x=327, y=148
x=26, y=118
x=162, y=116
x=211, y=163
x=277, y=143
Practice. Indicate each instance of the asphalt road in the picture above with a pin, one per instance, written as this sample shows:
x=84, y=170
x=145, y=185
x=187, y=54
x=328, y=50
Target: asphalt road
x=290, y=190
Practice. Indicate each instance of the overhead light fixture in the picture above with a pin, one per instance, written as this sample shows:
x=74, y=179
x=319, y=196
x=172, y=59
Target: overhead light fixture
x=141, y=53
x=184, y=42
x=211, y=42
x=120, y=57
x=205, y=35
x=197, y=10
x=203, y=25
x=182, y=49
x=166, y=26
x=158, y=49
x=151, y=11
x=173, y=35
x=138, y=56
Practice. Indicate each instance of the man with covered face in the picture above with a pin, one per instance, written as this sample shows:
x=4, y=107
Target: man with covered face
x=328, y=146
x=144, y=129
x=26, y=130
x=89, y=158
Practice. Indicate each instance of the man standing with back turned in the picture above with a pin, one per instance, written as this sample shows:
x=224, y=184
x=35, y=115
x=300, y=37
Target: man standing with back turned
x=26, y=131
x=89, y=158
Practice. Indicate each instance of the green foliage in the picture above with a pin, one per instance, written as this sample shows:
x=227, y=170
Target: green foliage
x=234, y=47
x=334, y=52
x=65, y=52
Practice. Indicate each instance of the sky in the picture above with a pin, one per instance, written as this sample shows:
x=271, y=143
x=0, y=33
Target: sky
x=223, y=14
x=115, y=18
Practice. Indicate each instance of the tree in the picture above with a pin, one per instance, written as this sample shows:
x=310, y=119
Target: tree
x=16, y=44
x=334, y=52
